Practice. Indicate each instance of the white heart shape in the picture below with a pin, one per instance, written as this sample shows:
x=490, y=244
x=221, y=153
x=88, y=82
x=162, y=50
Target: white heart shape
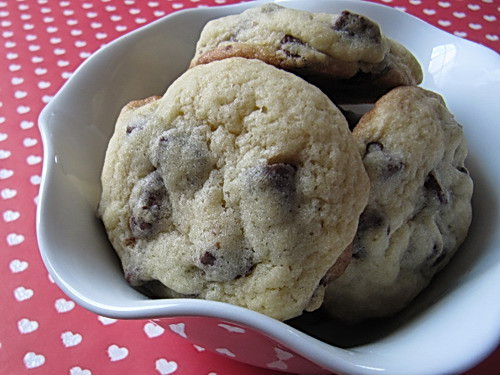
x=17, y=80
x=444, y=4
x=18, y=94
x=55, y=40
x=62, y=63
x=159, y=13
x=14, y=67
x=101, y=35
x=165, y=367
x=473, y=7
x=444, y=23
x=7, y=34
x=106, y=321
x=70, y=339
x=17, y=265
x=115, y=18
x=68, y=12
x=80, y=43
x=66, y=75
x=12, y=56
x=153, y=330
x=489, y=18
x=23, y=109
x=179, y=328
x=120, y=28
x=35, y=180
x=461, y=34
x=27, y=326
x=429, y=12
x=231, y=328
x=6, y=173
x=76, y=32
x=84, y=55
x=91, y=14
x=26, y=124
x=25, y=16
x=199, y=348
x=31, y=37
x=110, y=8
x=51, y=29
x=225, y=351
x=23, y=294
x=28, y=26
x=29, y=142
x=7, y=193
x=10, y=215
x=282, y=354
x=475, y=26
x=33, y=47
x=3, y=136
x=47, y=19
x=79, y=371
x=71, y=22
x=177, y=5
x=153, y=4
x=87, y=5
x=280, y=365
x=63, y=305
x=33, y=159
x=64, y=3
x=32, y=360
x=43, y=85
x=115, y=353
x=492, y=37
x=14, y=239
x=46, y=98
x=95, y=25
x=36, y=59
x=140, y=20
x=4, y=154
x=59, y=51
x=40, y=71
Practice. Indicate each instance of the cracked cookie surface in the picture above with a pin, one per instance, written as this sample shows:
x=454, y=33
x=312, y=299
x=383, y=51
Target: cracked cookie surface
x=242, y=184
x=346, y=54
x=419, y=209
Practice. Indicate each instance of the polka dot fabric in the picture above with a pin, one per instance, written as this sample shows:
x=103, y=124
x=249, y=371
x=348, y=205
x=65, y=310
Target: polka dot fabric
x=41, y=331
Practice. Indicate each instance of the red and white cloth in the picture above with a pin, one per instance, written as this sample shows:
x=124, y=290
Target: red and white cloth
x=41, y=331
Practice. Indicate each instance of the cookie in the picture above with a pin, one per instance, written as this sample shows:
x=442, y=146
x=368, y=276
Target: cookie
x=419, y=209
x=242, y=184
x=346, y=54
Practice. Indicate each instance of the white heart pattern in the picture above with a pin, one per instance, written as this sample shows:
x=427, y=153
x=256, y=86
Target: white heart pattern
x=33, y=360
x=29, y=142
x=27, y=326
x=63, y=305
x=225, y=351
x=179, y=328
x=23, y=294
x=10, y=215
x=106, y=321
x=14, y=239
x=231, y=328
x=165, y=367
x=115, y=353
x=6, y=173
x=79, y=371
x=153, y=330
x=8, y=193
x=17, y=266
x=70, y=339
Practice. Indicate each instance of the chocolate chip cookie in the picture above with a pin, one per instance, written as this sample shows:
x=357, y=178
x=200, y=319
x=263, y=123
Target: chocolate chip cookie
x=419, y=209
x=346, y=54
x=242, y=184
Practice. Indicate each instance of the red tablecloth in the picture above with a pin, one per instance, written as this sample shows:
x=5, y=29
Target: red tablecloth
x=41, y=331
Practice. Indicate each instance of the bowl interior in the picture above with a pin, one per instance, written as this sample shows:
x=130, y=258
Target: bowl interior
x=77, y=124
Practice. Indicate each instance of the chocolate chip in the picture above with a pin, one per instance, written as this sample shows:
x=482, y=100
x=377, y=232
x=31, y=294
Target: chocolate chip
x=432, y=185
x=354, y=25
x=280, y=176
x=463, y=170
x=393, y=166
x=370, y=219
x=149, y=204
x=290, y=39
x=207, y=259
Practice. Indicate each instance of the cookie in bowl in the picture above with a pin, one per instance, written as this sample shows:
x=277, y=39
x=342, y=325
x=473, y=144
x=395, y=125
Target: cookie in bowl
x=242, y=184
x=419, y=209
x=346, y=55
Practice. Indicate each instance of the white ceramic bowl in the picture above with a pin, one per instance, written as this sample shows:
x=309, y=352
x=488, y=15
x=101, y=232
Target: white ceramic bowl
x=449, y=328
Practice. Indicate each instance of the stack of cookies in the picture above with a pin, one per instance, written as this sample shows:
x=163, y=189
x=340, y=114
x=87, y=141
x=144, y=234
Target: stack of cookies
x=244, y=184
